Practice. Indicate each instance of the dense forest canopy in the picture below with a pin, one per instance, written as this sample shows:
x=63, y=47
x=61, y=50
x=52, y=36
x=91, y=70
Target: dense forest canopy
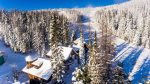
x=27, y=31
x=129, y=21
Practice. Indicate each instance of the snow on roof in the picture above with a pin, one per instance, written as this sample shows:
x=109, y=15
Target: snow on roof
x=37, y=62
x=30, y=58
x=77, y=41
x=75, y=47
x=66, y=51
x=17, y=82
x=44, y=72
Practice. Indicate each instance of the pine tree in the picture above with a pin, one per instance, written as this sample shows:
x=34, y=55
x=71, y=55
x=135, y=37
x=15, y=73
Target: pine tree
x=65, y=26
x=54, y=29
x=83, y=76
x=23, y=30
x=81, y=50
x=94, y=64
x=57, y=63
x=57, y=57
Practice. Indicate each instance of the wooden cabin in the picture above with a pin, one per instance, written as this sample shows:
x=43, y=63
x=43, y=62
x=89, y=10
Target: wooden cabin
x=68, y=54
x=39, y=70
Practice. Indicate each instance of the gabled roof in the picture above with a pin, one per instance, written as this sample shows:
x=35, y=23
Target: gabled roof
x=44, y=72
x=76, y=44
x=77, y=41
x=37, y=63
x=75, y=47
x=66, y=51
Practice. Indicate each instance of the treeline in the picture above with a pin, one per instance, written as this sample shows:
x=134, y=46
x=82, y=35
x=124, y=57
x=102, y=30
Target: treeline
x=26, y=31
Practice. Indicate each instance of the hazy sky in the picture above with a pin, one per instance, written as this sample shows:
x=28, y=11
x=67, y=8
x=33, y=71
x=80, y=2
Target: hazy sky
x=44, y=4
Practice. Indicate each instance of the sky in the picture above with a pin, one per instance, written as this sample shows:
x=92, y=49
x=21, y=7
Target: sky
x=45, y=4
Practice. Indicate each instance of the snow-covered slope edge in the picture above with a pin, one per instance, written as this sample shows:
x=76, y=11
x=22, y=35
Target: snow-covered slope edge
x=135, y=60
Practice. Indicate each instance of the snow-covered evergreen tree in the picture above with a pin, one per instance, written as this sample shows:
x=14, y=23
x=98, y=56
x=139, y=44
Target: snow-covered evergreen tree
x=81, y=49
x=94, y=64
x=57, y=58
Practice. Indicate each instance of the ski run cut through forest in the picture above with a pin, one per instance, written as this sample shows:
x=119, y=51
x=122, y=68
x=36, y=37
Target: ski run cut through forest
x=93, y=45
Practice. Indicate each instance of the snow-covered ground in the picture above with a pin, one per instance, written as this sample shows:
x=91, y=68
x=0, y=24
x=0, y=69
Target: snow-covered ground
x=135, y=60
x=13, y=61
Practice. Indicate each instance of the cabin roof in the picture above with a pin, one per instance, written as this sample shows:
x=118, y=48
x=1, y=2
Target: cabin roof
x=37, y=63
x=17, y=82
x=75, y=47
x=44, y=72
x=77, y=41
x=31, y=58
x=76, y=44
x=66, y=51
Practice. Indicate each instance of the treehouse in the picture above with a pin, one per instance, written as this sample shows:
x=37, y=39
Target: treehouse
x=38, y=69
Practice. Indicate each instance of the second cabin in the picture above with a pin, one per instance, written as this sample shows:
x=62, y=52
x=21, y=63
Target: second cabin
x=68, y=54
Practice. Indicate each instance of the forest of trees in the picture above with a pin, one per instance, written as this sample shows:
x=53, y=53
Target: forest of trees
x=41, y=30
x=130, y=22
x=26, y=31
x=100, y=66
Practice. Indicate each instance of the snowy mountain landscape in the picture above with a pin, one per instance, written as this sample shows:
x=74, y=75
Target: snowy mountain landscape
x=92, y=45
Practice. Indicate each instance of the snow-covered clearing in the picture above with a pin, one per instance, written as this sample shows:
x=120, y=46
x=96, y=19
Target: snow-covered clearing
x=135, y=60
x=12, y=61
